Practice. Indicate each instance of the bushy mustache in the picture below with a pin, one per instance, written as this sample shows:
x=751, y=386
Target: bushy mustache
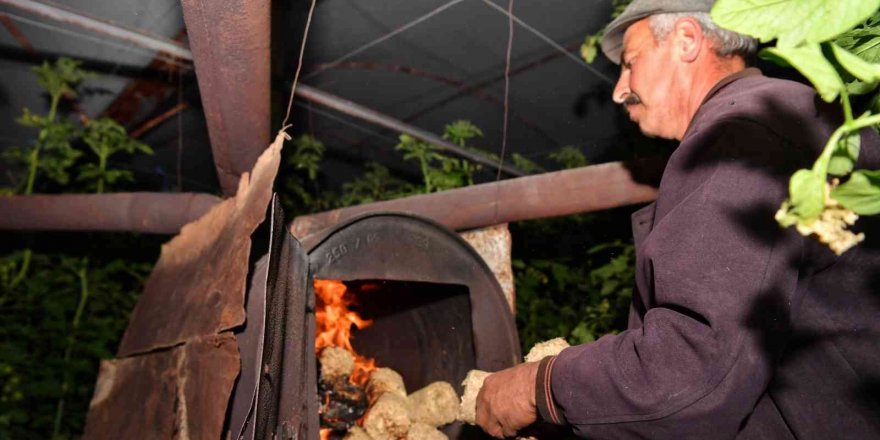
x=631, y=99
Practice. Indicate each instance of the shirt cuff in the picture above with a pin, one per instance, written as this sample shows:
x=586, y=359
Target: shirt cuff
x=547, y=409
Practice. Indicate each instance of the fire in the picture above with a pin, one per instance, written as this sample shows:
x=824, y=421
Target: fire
x=334, y=325
x=325, y=433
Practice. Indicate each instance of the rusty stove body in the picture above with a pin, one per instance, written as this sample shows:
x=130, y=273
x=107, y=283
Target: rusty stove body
x=440, y=314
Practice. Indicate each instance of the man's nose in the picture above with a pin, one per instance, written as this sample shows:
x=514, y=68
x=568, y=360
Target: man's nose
x=621, y=89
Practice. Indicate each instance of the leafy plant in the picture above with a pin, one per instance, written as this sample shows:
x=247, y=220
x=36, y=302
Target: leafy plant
x=590, y=46
x=105, y=138
x=834, y=44
x=64, y=310
x=578, y=298
x=376, y=184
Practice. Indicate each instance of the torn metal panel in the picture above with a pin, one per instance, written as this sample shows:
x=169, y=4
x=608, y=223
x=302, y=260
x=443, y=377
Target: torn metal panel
x=207, y=368
x=197, y=287
x=230, y=46
x=134, y=398
x=180, y=393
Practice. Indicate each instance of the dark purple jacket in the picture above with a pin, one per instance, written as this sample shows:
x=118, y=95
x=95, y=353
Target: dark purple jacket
x=740, y=329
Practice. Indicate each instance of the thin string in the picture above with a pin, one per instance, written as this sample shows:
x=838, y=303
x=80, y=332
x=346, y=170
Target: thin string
x=549, y=41
x=179, y=131
x=506, y=87
x=391, y=34
x=302, y=51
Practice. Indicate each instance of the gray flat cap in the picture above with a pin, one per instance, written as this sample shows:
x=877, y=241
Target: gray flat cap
x=612, y=41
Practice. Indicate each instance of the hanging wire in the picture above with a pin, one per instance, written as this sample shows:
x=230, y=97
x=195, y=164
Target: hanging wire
x=179, y=131
x=302, y=51
x=550, y=41
x=506, y=87
x=384, y=37
x=106, y=41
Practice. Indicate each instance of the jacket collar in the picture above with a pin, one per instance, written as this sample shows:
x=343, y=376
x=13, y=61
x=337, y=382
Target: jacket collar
x=724, y=82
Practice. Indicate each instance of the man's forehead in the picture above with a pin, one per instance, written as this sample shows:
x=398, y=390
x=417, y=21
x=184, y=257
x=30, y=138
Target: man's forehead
x=636, y=35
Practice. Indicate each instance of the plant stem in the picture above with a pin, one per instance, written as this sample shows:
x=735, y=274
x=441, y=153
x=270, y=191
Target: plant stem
x=847, y=108
x=821, y=164
x=82, y=274
x=34, y=161
x=102, y=165
x=22, y=271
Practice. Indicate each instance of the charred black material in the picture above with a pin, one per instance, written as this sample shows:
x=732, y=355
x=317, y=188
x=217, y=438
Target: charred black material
x=342, y=403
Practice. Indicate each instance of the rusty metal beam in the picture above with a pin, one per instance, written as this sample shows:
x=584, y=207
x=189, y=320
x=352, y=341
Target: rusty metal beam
x=230, y=44
x=158, y=213
x=586, y=189
x=358, y=111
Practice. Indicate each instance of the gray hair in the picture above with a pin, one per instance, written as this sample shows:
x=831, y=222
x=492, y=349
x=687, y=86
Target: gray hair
x=727, y=42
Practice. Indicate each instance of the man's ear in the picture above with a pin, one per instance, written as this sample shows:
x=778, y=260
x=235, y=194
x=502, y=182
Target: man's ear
x=688, y=39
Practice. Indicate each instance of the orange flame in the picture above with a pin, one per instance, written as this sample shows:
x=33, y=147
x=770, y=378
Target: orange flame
x=334, y=325
x=325, y=433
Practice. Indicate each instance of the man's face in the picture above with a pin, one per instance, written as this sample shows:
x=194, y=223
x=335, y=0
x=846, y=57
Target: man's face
x=647, y=76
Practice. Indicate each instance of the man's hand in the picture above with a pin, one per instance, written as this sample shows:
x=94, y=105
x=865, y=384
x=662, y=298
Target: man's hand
x=506, y=402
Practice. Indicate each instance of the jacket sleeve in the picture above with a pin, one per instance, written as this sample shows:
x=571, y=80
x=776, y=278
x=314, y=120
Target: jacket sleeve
x=723, y=275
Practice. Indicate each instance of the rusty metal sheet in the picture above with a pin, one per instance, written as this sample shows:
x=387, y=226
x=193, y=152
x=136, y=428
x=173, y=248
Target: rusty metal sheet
x=197, y=287
x=172, y=394
x=494, y=244
x=585, y=189
x=134, y=398
x=230, y=46
x=158, y=213
x=208, y=368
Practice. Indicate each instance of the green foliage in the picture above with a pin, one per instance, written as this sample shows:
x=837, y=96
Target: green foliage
x=836, y=46
x=569, y=157
x=590, y=46
x=105, y=138
x=810, y=60
x=51, y=154
x=62, y=77
x=580, y=299
x=64, y=311
x=46, y=355
x=375, y=185
x=861, y=193
x=307, y=154
x=440, y=171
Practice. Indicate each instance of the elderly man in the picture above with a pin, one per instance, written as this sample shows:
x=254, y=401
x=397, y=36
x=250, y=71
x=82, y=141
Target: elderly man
x=739, y=329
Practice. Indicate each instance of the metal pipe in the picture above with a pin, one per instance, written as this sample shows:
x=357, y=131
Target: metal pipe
x=158, y=213
x=358, y=111
x=134, y=36
x=585, y=189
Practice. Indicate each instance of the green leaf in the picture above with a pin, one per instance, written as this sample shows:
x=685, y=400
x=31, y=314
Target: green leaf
x=569, y=157
x=856, y=87
x=792, y=21
x=859, y=68
x=807, y=194
x=590, y=47
x=861, y=193
x=863, y=41
x=845, y=155
x=809, y=61
x=460, y=131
